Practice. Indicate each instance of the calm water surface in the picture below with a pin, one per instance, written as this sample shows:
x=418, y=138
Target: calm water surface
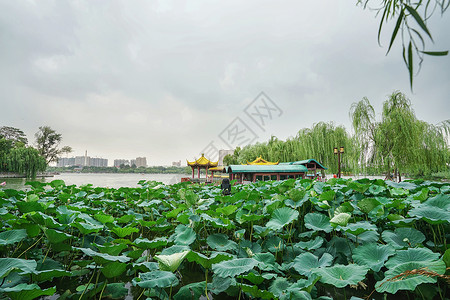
x=99, y=180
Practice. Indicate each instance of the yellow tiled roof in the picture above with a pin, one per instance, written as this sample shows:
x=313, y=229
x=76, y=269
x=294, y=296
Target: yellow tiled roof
x=202, y=162
x=261, y=161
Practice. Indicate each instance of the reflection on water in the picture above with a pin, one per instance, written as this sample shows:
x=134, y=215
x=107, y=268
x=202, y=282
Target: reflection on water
x=98, y=180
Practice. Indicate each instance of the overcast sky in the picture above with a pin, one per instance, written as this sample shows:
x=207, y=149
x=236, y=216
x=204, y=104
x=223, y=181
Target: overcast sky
x=167, y=79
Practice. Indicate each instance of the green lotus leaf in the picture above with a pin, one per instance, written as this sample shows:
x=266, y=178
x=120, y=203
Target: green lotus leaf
x=183, y=235
x=207, y=262
x=234, y=267
x=44, y=275
x=254, y=278
x=8, y=265
x=431, y=214
x=57, y=184
x=102, y=258
x=153, y=244
x=175, y=249
x=86, y=228
x=340, y=275
x=113, y=269
x=372, y=255
x=191, y=291
x=227, y=210
x=43, y=219
x=104, y=218
x=256, y=292
x=318, y=222
x=412, y=255
x=400, y=278
x=25, y=291
x=366, y=205
x=359, y=187
x=279, y=286
x=146, y=266
x=220, y=242
x=398, y=192
x=12, y=236
x=171, y=262
x=359, y=227
x=56, y=236
x=376, y=189
x=124, y=231
x=311, y=244
x=446, y=258
x=441, y=201
x=219, y=284
x=26, y=207
x=274, y=244
x=305, y=262
x=340, y=219
x=111, y=249
x=115, y=291
x=282, y=217
x=328, y=196
x=161, y=279
x=403, y=237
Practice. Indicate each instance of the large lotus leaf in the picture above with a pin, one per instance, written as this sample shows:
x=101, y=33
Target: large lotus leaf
x=234, y=267
x=446, y=258
x=171, y=262
x=365, y=237
x=359, y=227
x=412, y=255
x=25, y=291
x=359, y=187
x=220, y=242
x=44, y=275
x=43, y=219
x=398, y=192
x=403, y=237
x=407, y=276
x=124, y=231
x=376, y=189
x=56, y=236
x=372, y=255
x=153, y=244
x=183, y=235
x=366, y=205
x=102, y=258
x=256, y=292
x=311, y=244
x=207, y=262
x=281, y=217
x=279, y=286
x=175, y=249
x=113, y=269
x=161, y=279
x=305, y=262
x=431, y=214
x=191, y=291
x=441, y=201
x=296, y=194
x=227, y=210
x=116, y=291
x=12, y=236
x=340, y=275
x=327, y=196
x=26, y=207
x=267, y=262
x=318, y=222
x=340, y=219
x=104, y=218
x=401, y=185
x=111, y=249
x=86, y=228
x=8, y=265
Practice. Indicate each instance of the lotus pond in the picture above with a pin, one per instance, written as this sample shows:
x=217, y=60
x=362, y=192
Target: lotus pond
x=288, y=239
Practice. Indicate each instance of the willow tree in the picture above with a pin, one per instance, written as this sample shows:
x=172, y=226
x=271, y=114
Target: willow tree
x=22, y=160
x=399, y=142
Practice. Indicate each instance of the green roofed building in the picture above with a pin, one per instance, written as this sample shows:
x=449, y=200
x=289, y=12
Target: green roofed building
x=281, y=171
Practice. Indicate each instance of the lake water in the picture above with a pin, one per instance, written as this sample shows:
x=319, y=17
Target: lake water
x=99, y=179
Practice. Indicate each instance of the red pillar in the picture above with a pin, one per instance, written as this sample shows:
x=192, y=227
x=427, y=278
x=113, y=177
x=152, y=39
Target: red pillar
x=206, y=174
x=198, y=172
x=192, y=172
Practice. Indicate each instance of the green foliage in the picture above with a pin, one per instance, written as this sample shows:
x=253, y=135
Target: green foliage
x=47, y=143
x=176, y=241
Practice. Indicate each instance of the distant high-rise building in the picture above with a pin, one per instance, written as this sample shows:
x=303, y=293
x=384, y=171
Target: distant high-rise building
x=176, y=163
x=118, y=162
x=82, y=161
x=141, y=162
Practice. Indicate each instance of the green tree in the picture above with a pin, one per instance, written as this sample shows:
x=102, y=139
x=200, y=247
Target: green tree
x=15, y=135
x=411, y=20
x=399, y=142
x=47, y=143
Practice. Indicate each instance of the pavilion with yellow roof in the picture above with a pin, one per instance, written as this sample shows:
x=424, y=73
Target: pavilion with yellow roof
x=261, y=161
x=201, y=163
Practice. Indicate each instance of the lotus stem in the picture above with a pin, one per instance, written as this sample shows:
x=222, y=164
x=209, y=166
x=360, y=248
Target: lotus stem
x=141, y=294
x=30, y=246
x=87, y=285
x=104, y=286
x=45, y=257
